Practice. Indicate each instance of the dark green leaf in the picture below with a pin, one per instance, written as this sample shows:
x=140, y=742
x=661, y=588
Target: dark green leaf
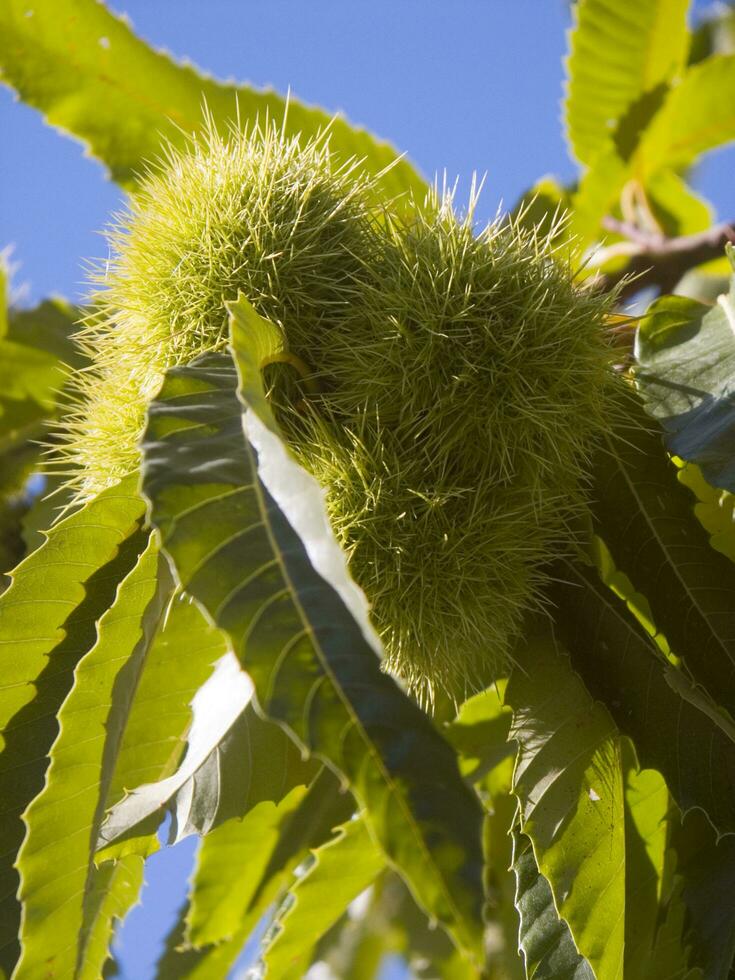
x=313, y=666
x=708, y=870
x=36, y=353
x=645, y=517
x=686, y=373
x=546, y=942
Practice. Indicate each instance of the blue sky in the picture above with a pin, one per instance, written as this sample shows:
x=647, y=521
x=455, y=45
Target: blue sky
x=461, y=86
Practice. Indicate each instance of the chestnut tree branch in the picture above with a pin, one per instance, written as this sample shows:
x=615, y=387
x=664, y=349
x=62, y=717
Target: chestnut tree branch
x=659, y=261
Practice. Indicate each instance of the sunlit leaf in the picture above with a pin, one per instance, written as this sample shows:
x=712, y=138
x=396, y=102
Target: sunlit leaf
x=713, y=508
x=47, y=623
x=195, y=787
x=698, y=115
x=623, y=668
x=160, y=717
x=618, y=53
x=234, y=760
x=340, y=872
x=85, y=69
x=231, y=866
x=653, y=945
x=56, y=861
x=677, y=208
x=568, y=781
x=243, y=869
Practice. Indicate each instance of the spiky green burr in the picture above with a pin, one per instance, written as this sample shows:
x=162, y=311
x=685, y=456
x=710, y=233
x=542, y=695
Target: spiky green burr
x=461, y=379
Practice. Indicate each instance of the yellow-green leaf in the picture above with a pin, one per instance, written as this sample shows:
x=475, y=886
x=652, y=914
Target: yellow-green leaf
x=86, y=70
x=56, y=862
x=568, y=781
x=619, y=51
x=47, y=623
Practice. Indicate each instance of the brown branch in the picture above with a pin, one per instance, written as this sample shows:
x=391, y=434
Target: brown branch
x=660, y=261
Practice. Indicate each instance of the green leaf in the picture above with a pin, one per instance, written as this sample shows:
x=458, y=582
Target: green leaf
x=47, y=623
x=229, y=894
x=622, y=667
x=501, y=913
x=224, y=516
x=714, y=33
x=160, y=716
x=216, y=707
x=37, y=354
x=618, y=52
x=38, y=351
x=645, y=517
x=714, y=509
x=647, y=809
x=29, y=373
x=342, y=869
x=89, y=74
x=16, y=467
x=228, y=899
x=387, y=922
x=56, y=861
x=671, y=952
x=543, y=206
x=598, y=190
x=654, y=933
x=568, y=782
x=686, y=374
x=230, y=869
x=707, y=867
x=234, y=760
x=677, y=209
x=357, y=944
x=480, y=734
x=112, y=890
x=293, y=626
x=698, y=115
x=545, y=940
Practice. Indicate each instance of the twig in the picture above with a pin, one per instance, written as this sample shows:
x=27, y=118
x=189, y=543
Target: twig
x=660, y=261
